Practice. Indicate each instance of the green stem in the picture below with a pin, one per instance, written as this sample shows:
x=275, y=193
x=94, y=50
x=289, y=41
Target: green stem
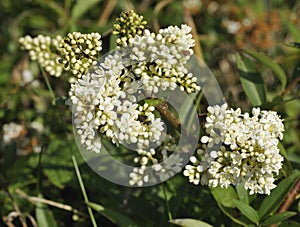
x=167, y=202
x=79, y=178
x=83, y=191
x=39, y=184
x=48, y=86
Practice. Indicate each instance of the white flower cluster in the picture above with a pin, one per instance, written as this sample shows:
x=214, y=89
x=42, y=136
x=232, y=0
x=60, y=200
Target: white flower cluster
x=11, y=131
x=239, y=149
x=102, y=106
x=26, y=138
x=80, y=51
x=45, y=50
x=28, y=79
x=104, y=101
x=161, y=58
x=76, y=53
x=151, y=169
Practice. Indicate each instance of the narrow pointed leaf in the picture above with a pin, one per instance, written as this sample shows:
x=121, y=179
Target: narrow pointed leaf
x=276, y=68
x=113, y=215
x=251, y=81
x=224, y=196
x=296, y=71
x=242, y=193
x=112, y=42
x=188, y=222
x=295, y=44
x=96, y=207
x=247, y=210
x=81, y=7
x=275, y=219
x=273, y=201
x=44, y=216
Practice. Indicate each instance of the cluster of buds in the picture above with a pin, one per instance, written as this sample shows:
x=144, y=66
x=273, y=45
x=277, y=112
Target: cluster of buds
x=80, y=51
x=45, y=50
x=127, y=26
x=75, y=53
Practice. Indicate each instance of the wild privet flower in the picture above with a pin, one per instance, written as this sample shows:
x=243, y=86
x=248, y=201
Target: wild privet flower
x=158, y=172
x=26, y=137
x=102, y=106
x=44, y=50
x=127, y=26
x=239, y=149
x=138, y=176
x=11, y=131
x=80, y=51
x=28, y=79
x=156, y=165
x=75, y=53
x=161, y=58
x=104, y=100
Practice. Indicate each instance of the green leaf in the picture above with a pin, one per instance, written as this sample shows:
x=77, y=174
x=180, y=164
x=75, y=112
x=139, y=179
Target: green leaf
x=295, y=44
x=296, y=71
x=247, y=210
x=44, y=216
x=112, y=42
x=113, y=215
x=273, y=201
x=8, y=155
x=242, y=193
x=224, y=196
x=188, y=222
x=289, y=224
x=276, y=68
x=81, y=7
x=95, y=206
x=251, y=81
x=275, y=219
x=57, y=8
x=292, y=28
x=282, y=150
x=277, y=101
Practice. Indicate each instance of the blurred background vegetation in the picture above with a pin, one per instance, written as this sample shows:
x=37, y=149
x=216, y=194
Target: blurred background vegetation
x=37, y=162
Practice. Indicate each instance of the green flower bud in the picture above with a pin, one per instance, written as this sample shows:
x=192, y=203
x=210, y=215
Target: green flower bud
x=127, y=26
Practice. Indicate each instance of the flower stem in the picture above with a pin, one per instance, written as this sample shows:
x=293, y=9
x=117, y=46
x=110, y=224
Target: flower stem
x=83, y=191
x=34, y=200
x=79, y=178
x=189, y=20
x=291, y=86
x=48, y=86
x=163, y=109
x=167, y=202
x=290, y=197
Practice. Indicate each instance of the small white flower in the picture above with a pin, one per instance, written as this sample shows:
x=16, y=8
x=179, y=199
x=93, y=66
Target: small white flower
x=11, y=131
x=248, y=151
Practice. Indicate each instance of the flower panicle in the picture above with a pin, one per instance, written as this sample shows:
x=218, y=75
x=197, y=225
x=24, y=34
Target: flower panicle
x=238, y=149
x=75, y=53
x=127, y=26
x=44, y=50
x=80, y=51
